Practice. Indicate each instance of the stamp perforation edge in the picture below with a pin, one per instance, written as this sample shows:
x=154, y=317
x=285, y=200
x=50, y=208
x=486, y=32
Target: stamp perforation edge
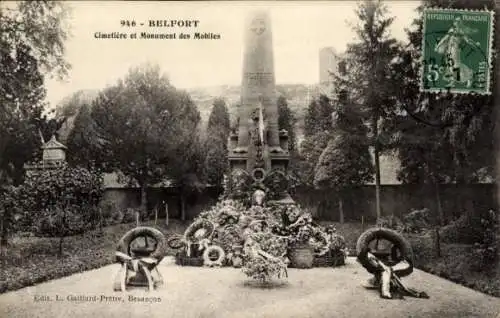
x=490, y=64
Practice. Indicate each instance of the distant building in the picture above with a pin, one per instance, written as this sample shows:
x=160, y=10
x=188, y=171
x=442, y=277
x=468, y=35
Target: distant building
x=327, y=64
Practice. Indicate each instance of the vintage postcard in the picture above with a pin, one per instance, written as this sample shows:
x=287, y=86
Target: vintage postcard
x=249, y=159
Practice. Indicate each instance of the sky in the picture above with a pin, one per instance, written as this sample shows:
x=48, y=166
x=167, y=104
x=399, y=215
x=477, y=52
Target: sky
x=299, y=30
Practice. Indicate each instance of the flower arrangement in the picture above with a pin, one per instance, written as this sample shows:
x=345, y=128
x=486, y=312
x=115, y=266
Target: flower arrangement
x=268, y=234
x=270, y=243
x=263, y=269
x=265, y=256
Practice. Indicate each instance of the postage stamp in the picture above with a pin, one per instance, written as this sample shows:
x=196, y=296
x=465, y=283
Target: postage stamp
x=456, y=51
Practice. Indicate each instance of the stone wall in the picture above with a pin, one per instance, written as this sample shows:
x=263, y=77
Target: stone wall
x=396, y=200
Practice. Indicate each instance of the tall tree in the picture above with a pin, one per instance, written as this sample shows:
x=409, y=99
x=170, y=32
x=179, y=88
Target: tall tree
x=218, y=129
x=84, y=147
x=32, y=41
x=369, y=60
x=318, y=117
x=317, y=132
x=146, y=126
x=345, y=162
x=31, y=46
x=286, y=121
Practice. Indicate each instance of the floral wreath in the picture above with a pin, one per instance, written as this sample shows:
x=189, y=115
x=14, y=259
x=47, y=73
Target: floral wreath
x=189, y=234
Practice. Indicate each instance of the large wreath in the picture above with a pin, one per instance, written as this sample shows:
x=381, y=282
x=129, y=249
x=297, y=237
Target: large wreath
x=209, y=251
x=124, y=245
x=198, y=230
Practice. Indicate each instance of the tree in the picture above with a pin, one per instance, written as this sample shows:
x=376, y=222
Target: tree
x=318, y=117
x=317, y=133
x=369, y=60
x=146, y=126
x=216, y=162
x=84, y=148
x=286, y=121
x=31, y=46
x=39, y=27
x=218, y=121
x=345, y=162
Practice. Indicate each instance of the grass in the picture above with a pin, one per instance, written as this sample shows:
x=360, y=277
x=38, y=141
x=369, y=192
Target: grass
x=457, y=263
x=32, y=260
x=350, y=232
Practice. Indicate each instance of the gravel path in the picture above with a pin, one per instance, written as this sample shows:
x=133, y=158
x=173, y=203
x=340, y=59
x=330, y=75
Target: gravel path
x=211, y=292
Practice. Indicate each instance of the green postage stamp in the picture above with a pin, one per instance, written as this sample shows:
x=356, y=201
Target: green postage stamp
x=456, y=51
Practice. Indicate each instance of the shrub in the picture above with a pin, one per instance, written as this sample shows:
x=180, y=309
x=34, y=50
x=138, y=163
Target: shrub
x=61, y=202
x=417, y=221
x=485, y=251
x=465, y=230
x=110, y=213
x=58, y=221
x=129, y=215
x=390, y=222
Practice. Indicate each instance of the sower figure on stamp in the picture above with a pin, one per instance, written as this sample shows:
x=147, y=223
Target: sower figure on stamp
x=450, y=46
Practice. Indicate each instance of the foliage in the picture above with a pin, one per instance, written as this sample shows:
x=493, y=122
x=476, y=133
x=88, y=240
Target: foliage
x=286, y=121
x=221, y=210
x=343, y=164
x=317, y=132
x=10, y=212
x=21, y=97
x=39, y=26
x=485, y=252
x=147, y=128
x=264, y=268
x=417, y=221
x=61, y=202
x=31, y=46
x=266, y=233
x=83, y=145
x=216, y=163
x=457, y=263
x=368, y=60
x=391, y=222
x=318, y=117
x=218, y=121
x=464, y=230
x=110, y=213
x=303, y=231
x=276, y=183
x=311, y=149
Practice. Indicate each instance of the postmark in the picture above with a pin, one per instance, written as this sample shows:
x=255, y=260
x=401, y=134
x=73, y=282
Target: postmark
x=456, y=51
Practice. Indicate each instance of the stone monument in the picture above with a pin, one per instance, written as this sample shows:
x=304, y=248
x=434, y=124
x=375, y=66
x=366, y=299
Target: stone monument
x=53, y=157
x=259, y=147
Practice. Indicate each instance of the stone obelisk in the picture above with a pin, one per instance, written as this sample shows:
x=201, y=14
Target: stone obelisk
x=258, y=143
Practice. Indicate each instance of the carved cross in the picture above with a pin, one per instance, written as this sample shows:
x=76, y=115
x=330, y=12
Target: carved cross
x=258, y=26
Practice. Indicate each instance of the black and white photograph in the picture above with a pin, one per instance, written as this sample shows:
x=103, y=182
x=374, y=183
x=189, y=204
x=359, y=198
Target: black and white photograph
x=289, y=159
